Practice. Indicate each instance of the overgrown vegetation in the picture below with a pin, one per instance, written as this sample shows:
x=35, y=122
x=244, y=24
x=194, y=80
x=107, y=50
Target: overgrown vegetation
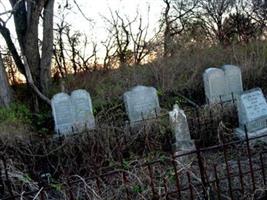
x=192, y=36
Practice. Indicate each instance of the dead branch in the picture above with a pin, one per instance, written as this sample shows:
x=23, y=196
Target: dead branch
x=31, y=82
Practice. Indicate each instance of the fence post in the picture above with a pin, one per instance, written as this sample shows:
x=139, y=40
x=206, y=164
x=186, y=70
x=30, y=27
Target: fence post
x=176, y=176
x=217, y=181
x=202, y=173
x=155, y=196
x=240, y=176
x=198, y=123
x=249, y=158
x=190, y=186
x=228, y=171
x=263, y=169
x=124, y=179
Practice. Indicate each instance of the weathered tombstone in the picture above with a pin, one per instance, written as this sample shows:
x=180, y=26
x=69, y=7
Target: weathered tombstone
x=141, y=103
x=233, y=80
x=63, y=113
x=222, y=84
x=84, y=118
x=214, y=84
x=183, y=141
x=252, y=113
x=180, y=128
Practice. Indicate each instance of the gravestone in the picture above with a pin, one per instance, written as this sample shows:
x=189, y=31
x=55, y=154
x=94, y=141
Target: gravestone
x=180, y=128
x=141, y=103
x=214, y=83
x=84, y=118
x=72, y=114
x=63, y=113
x=233, y=79
x=252, y=113
x=221, y=83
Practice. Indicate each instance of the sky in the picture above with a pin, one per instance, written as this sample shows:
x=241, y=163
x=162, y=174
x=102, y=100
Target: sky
x=96, y=10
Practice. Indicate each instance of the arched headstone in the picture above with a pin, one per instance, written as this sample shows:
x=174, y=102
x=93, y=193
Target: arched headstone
x=141, y=102
x=63, y=113
x=84, y=118
x=222, y=84
x=214, y=83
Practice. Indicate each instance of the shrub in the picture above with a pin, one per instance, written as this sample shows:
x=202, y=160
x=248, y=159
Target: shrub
x=16, y=112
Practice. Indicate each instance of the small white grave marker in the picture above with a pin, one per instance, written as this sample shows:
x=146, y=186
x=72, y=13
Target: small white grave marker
x=141, y=103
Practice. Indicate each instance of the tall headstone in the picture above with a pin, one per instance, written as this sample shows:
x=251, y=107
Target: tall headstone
x=214, y=83
x=141, y=103
x=63, y=113
x=252, y=113
x=222, y=84
x=233, y=79
x=84, y=118
x=180, y=128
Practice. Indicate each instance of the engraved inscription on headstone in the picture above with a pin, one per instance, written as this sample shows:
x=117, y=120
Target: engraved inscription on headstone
x=63, y=113
x=252, y=110
x=84, y=118
x=221, y=83
x=141, y=103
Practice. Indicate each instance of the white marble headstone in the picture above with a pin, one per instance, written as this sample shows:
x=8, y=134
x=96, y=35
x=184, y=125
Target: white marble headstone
x=73, y=113
x=179, y=126
x=214, y=83
x=233, y=79
x=252, y=110
x=63, y=113
x=141, y=102
x=84, y=118
x=221, y=83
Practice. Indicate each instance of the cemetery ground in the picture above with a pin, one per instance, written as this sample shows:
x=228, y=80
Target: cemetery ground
x=115, y=161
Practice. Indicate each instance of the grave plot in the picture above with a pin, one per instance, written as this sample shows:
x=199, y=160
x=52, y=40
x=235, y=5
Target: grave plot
x=221, y=84
x=233, y=170
x=73, y=113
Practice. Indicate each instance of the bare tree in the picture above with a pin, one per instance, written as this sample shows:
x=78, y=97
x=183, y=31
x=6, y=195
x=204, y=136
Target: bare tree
x=141, y=45
x=213, y=14
x=109, y=53
x=5, y=91
x=119, y=30
x=239, y=27
x=175, y=17
x=27, y=14
x=59, y=49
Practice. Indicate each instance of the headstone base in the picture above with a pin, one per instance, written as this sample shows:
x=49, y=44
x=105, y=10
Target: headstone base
x=240, y=133
x=185, y=161
x=183, y=147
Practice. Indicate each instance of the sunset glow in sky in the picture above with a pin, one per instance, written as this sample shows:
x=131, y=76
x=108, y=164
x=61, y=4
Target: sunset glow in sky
x=96, y=10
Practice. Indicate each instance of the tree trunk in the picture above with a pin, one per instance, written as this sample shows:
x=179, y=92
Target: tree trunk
x=5, y=91
x=47, y=47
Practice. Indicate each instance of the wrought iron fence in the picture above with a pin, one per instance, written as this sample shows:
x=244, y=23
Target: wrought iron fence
x=226, y=171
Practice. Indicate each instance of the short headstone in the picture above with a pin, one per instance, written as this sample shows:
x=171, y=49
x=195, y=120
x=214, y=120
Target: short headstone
x=252, y=113
x=179, y=126
x=84, y=118
x=63, y=113
x=222, y=84
x=73, y=113
x=141, y=103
